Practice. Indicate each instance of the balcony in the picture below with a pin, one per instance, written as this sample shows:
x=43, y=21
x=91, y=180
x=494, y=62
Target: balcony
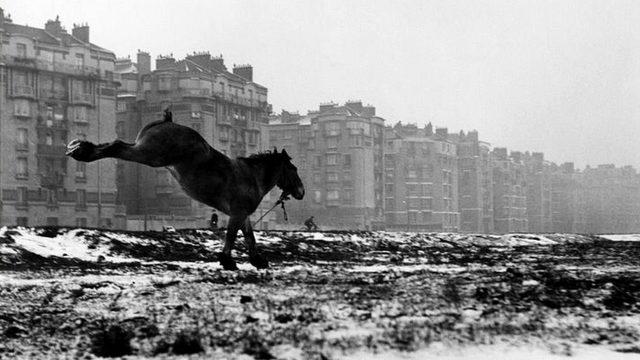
x=23, y=91
x=51, y=181
x=51, y=150
x=20, y=61
x=53, y=94
x=53, y=124
x=34, y=63
x=195, y=93
x=224, y=120
x=83, y=99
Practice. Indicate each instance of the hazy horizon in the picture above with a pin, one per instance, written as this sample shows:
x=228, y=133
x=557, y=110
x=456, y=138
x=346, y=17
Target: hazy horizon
x=558, y=77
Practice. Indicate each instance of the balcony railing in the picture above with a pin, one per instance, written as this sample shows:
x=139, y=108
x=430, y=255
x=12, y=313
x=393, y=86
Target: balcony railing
x=34, y=63
x=82, y=99
x=24, y=91
x=195, y=92
x=51, y=181
x=51, y=150
x=53, y=124
x=54, y=94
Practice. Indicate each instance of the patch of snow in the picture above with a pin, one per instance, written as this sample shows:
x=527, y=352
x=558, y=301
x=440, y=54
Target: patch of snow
x=492, y=352
x=621, y=237
x=444, y=269
x=68, y=244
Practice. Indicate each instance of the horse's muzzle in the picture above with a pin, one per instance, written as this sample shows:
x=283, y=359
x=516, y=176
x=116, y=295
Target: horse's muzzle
x=298, y=194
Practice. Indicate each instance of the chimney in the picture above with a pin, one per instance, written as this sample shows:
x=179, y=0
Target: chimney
x=369, y=111
x=429, y=129
x=538, y=156
x=355, y=105
x=244, y=71
x=516, y=156
x=217, y=63
x=326, y=106
x=81, y=32
x=443, y=132
x=201, y=58
x=54, y=27
x=165, y=62
x=472, y=135
x=143, y=62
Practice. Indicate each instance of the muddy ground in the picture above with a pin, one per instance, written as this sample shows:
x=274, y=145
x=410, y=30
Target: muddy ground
x=326, y=296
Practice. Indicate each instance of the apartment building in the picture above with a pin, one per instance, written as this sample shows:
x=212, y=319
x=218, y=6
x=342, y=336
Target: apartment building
x=226, y=107
x=538, y=179
x=55, y=86
x=612, y=199
x=475, y=184
x=421, y=179
x=509, y=192
x=338, y=151
x=568, y=211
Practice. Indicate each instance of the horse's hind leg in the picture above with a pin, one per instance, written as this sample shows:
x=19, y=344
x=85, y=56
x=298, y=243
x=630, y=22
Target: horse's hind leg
x=86, y=151
x=225, y=258
x=255, y=258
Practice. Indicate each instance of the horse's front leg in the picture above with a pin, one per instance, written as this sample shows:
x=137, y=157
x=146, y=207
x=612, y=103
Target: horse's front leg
x=255, y=258
x=226, y=260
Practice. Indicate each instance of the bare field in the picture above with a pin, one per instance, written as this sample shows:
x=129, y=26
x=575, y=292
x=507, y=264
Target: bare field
x=82, y=293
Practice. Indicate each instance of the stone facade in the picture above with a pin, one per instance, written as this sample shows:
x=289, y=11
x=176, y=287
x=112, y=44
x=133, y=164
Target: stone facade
x=55, y=86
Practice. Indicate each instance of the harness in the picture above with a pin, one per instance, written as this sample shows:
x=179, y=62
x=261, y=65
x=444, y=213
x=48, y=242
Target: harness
x=283, y=197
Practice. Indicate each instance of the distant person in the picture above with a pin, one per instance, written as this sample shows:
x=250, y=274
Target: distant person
x=310, y=224
x=213, y=223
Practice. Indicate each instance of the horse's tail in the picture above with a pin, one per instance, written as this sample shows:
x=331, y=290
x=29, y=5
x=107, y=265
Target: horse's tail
x=167, y=115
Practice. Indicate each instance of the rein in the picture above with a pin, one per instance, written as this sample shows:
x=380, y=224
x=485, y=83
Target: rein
x=283, y=197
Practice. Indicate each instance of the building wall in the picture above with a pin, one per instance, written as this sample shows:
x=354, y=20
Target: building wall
x=55, y=99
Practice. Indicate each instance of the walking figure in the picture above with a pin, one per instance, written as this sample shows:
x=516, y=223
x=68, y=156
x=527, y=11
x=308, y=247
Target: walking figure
x=310, y=224
x=213, y=223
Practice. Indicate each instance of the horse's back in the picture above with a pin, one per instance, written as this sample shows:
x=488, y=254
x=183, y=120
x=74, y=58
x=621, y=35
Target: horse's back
x=167, y=139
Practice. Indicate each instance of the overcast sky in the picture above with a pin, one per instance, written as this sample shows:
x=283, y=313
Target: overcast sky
x=562, y=77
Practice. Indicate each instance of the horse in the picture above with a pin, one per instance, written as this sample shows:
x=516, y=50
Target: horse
x=234, y=187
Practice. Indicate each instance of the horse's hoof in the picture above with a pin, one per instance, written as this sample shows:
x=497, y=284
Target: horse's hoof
x=259, y=262
x=80, y=150
x=227, y=262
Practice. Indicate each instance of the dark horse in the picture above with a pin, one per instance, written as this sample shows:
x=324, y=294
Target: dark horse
x=233, y=186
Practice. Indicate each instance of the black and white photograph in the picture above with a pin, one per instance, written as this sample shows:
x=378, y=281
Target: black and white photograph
x=320, y=179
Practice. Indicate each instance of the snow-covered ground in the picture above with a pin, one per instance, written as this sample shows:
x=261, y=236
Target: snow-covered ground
x=328, y=295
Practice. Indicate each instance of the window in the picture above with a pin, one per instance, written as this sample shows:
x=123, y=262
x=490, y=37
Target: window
x=332, y=128
x=80, y=60
x=22, y=139
x=333, y=195
x=80, y=114
x=52, y=197
x=22, y=50
x=413, y=219
x=317, y=196
x=81, y=170
x=21, y=107
x=347, y=160
x=22, y=195
x=81, y=198
x=332, y=159
x=22, y=169
x=332, y=142
x=318, y=161
x=332, y=176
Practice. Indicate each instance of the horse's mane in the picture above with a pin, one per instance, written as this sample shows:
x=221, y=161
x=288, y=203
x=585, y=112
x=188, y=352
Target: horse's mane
x=262, y=157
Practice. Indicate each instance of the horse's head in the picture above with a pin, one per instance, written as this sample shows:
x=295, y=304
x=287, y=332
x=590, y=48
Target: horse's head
x=289, y=181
